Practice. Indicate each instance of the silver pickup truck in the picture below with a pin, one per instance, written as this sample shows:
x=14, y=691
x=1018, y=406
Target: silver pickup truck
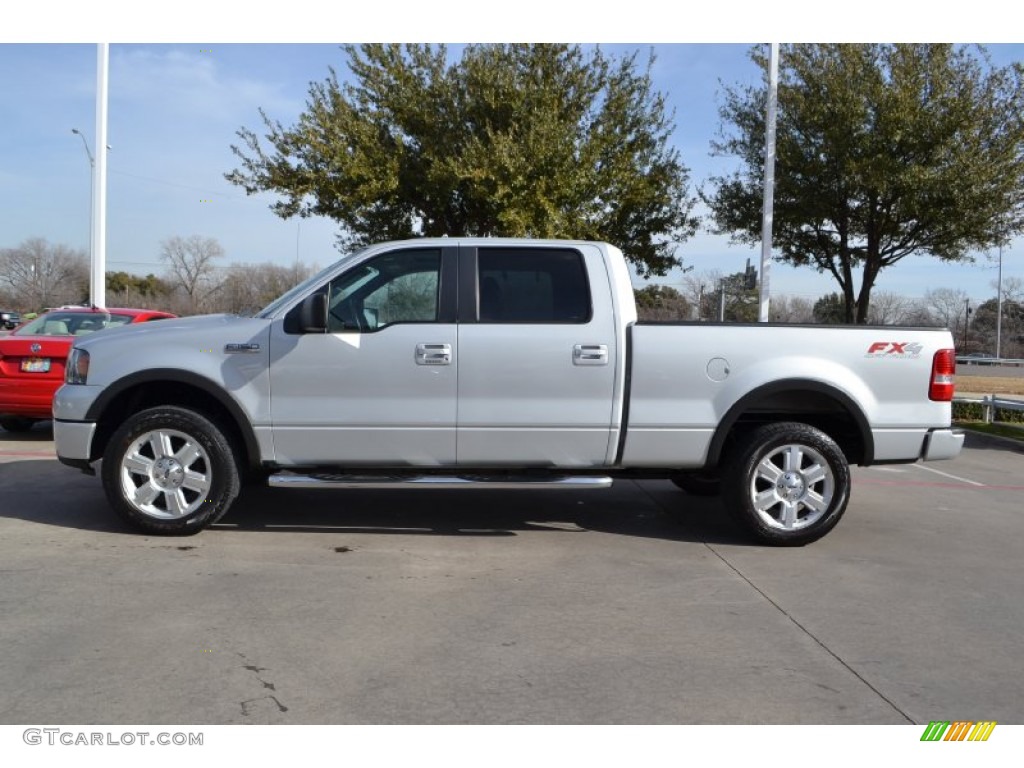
x=449, y=363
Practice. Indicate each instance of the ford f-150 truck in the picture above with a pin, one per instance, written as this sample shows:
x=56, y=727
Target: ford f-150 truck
x=445, y=363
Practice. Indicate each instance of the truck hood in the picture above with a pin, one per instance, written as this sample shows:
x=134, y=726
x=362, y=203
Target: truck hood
x=208, y=331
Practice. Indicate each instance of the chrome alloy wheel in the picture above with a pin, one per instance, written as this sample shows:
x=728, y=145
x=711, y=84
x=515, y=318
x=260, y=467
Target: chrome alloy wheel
x=165, y=474
x=792, y=487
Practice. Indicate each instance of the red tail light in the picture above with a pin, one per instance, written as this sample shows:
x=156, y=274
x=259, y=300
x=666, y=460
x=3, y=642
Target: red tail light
x=943, y=369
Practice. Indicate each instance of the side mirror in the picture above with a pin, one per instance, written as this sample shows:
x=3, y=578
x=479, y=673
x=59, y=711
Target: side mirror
x=313, y=313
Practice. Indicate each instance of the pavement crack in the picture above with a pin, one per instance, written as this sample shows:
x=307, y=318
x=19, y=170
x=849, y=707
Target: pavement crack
x=247, y=704
x=256, y=670
x=810, y=634
x=789, y=616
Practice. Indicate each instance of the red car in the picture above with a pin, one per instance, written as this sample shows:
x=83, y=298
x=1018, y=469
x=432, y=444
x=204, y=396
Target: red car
x=32, y=358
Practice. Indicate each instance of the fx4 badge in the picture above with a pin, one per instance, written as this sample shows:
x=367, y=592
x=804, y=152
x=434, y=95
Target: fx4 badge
x=905, y=350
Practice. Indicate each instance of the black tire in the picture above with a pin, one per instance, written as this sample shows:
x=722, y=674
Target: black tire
x=16, y=423
x=180, y=465
x=698, y=483
x=785, y=505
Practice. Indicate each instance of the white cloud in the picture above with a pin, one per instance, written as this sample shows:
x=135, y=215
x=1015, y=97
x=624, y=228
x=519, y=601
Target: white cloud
x=187, y=84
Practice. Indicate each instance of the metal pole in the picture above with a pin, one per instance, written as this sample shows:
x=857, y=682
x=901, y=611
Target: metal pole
x=967, y=320
x=767, y=207
x=721, y=302
x=97, y=279
x=999, y=305
x=92, y=184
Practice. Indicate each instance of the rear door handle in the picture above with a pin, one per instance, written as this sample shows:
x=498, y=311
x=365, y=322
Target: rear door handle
x=590, y=354
x=433, y=354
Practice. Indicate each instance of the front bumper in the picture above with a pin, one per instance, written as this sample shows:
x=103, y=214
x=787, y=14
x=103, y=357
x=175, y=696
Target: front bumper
x=73, y=441
x=942, y=444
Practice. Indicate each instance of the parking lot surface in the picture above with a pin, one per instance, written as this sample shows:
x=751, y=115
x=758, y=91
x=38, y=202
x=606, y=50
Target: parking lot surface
x=635, y=605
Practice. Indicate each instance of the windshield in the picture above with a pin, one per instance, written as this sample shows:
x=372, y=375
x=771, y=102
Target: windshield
x=301, y=288
x=71, y=323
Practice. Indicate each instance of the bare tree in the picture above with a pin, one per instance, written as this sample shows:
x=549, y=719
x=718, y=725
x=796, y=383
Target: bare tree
x=791, y=309
x=947, y=307
x=889, y=309
x=39, y=275
x=190, y=262
x=249, y=287
x=919, y=314
x=701, y=292
x=1013, y=289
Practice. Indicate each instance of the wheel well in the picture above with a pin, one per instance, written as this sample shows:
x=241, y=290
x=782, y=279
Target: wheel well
x=825, y=409
x=151, y=394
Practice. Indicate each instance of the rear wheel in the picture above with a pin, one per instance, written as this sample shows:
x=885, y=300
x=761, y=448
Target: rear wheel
x=16, y=423
x=170, y=470
x=787, y=484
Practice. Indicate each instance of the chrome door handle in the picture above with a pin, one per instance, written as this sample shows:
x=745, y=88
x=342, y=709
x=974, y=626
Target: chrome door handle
x=590, y=354
x=433, y=354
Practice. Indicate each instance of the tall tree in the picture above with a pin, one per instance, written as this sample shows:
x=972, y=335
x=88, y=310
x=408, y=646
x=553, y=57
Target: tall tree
x=510, y=140
x=983, y=327
x=191, y=265
x=882, y=151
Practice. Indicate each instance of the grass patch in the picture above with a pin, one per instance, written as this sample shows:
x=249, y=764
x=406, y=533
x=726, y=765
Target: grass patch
x=990, y=385
x=999, y=430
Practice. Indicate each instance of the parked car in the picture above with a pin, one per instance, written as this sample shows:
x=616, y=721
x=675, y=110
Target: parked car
x=9, y=319
x=497, y=363
x=32, y=358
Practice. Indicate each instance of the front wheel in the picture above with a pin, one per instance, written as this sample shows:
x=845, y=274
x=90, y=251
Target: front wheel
x=170, y=471
x=787, y=484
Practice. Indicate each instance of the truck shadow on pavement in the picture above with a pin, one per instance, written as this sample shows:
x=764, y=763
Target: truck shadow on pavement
x=46, y=493
x=986, y=442
x=626, y=509
x=40, y=432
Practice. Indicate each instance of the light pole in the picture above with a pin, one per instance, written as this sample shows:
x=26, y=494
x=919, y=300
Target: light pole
x=999, y=304
x=967, y=320
x=92, y=191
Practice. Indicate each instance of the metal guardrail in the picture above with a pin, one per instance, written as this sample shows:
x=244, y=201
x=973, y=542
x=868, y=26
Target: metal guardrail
x=990, y=404
x=969, y=360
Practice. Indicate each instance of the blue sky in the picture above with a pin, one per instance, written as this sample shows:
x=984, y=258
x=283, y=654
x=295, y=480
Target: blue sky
x=174, y=109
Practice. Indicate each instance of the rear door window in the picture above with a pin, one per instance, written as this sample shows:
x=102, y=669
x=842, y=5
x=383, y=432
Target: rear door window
x=532, y=285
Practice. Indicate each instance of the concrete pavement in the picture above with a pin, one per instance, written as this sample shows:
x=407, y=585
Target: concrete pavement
x=635, y=605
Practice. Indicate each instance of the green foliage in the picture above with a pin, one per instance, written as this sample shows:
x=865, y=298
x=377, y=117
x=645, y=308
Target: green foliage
x=741, y=303
x=882, y=151
x=124, y=283
x=983, y=326
x=511, y=140
x=968, y=412
x=661, y=302
x=976, y=412
x=830, y=309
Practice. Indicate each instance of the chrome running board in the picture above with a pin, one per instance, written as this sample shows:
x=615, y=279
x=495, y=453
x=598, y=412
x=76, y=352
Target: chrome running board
x=439, y=482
